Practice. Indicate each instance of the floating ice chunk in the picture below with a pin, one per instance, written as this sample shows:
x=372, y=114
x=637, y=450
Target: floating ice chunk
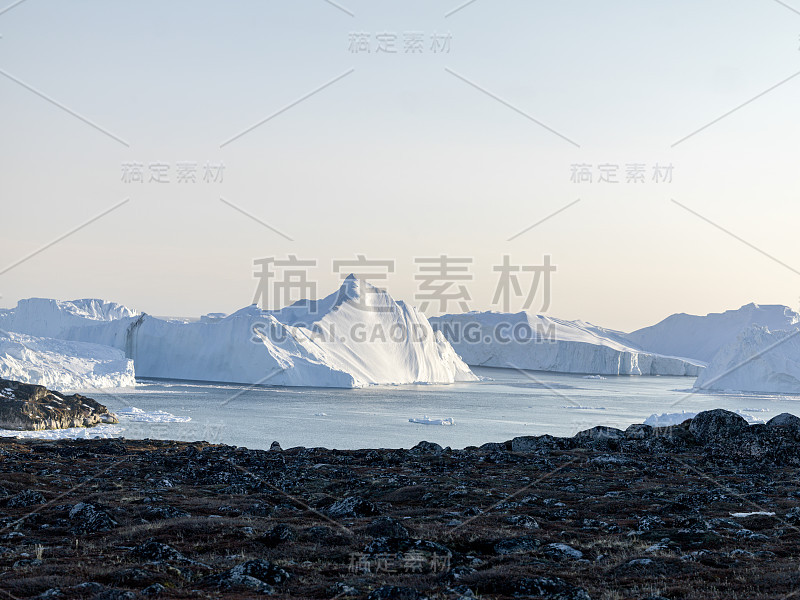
x=593, y=377
x=137, y=415
x=426, y=420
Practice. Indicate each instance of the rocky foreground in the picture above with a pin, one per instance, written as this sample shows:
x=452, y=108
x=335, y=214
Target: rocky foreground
x=708, y=509
x=25, y=406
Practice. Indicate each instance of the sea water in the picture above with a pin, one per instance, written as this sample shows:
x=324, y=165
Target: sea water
x=505, y=404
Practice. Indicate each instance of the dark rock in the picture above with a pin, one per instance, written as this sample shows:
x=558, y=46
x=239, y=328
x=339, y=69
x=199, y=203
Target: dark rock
x=154, y=590
x=394, y=545
x=88, y=518
x=786, y=421
x=524, y=521
x=352, y=506
x=516, y=545
x=256, y=575
x=275, y=447
x=552, y=588
x=427, y=448
x=394, y=592
x=387, y=527
x=114, y=594
x=560, y=551
x=713, y=425
x=599, y=433
x=153, y=551
x=25, y=499
x=24, y=406
x=638, y=431
x=278, y=535
x=159, y=513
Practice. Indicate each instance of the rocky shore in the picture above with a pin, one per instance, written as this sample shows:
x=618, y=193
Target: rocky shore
x=707, y=509
x=25, y=406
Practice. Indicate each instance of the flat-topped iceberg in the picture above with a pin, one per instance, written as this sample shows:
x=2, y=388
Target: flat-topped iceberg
x=355, y=337
x=540, y=343
x=758, y=360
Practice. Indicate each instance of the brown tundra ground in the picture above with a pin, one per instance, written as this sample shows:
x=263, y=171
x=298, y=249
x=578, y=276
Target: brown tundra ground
x=646, y=513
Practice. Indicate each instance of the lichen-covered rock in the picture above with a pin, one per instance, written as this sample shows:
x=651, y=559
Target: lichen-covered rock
x=786, y=420
x=714, y=425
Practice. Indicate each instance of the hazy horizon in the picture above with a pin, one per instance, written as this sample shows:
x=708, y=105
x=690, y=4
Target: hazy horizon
x=465, y=146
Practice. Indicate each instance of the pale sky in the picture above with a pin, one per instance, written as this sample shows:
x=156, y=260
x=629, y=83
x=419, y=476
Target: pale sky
x=403, y=155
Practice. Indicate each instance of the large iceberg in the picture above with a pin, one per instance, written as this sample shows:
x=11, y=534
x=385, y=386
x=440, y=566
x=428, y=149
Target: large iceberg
x=355, y=337
x=63, y=365
x=536, y=342
x=701, y=337
x=758, y=360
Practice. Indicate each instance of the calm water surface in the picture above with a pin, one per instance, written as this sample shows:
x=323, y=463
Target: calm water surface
x=507, y=404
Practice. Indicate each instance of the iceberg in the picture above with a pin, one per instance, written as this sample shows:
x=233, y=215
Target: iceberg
x=540, y=343
x=357, y=336
x=63, y=365
x=758, y=360
x=701, y=337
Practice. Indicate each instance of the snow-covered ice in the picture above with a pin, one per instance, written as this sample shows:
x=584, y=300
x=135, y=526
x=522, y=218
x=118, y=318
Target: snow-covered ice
x=669, y=419
x=63, y=365
x=355, y=337
x=541, y=343
x=701, y=337
x=758, y=360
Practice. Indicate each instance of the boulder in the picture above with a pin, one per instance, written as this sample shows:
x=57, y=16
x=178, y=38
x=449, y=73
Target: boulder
x=352, y=506
x=786, y=421
x=638, y=431
x=24, y=406
x=712, y=425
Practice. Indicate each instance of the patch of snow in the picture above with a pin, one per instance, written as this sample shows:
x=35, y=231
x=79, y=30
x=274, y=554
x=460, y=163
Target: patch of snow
x=73, y=433
x=744, y=515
